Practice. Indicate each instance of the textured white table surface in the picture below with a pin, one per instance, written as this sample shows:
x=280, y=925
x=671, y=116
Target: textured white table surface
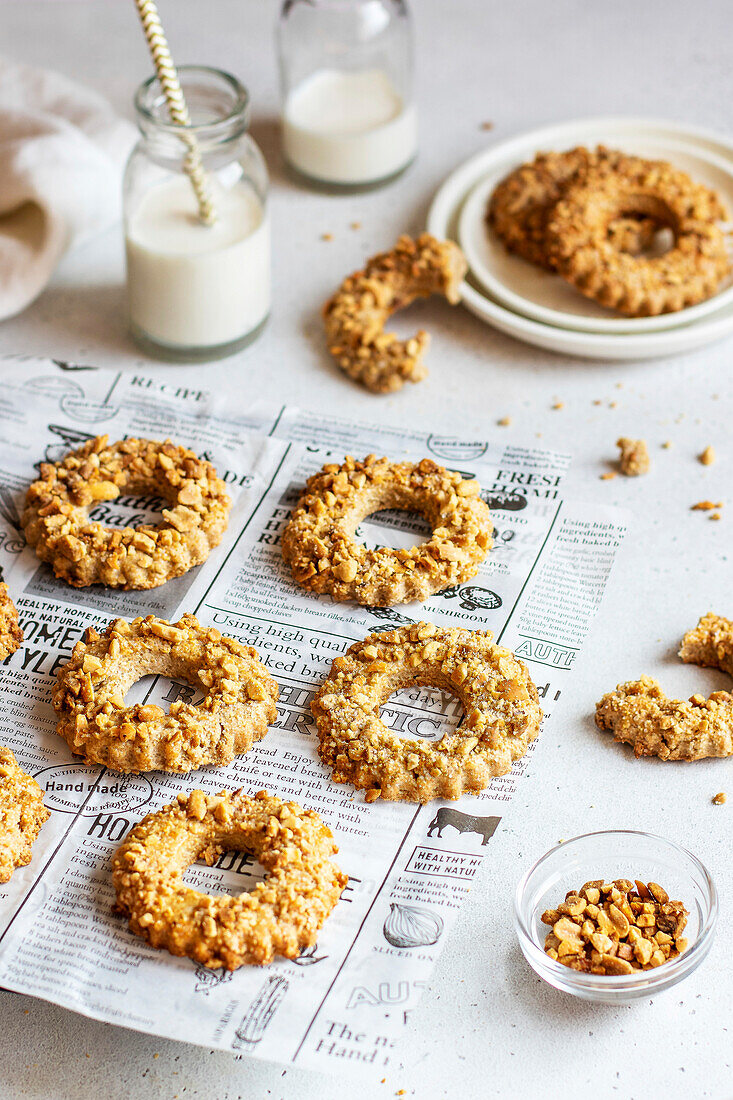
x=487, y=1027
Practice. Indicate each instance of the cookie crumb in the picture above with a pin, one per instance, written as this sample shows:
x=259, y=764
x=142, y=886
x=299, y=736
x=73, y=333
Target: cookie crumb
x=706, y=506
x=504, y=422
x=486, y=126
x=356, y=225
x=707, y=458
x=608, y=475
x=634, y=458
x=715, y=515
x=719, y=798
x=326, y=236
x=666, y=445
x=598, y=401
x=559, y=405
x=613, y=404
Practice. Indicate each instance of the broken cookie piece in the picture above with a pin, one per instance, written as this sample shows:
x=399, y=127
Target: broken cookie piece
x=634, y=458
x=710, y=644
x=355, y=316
x=640, y=714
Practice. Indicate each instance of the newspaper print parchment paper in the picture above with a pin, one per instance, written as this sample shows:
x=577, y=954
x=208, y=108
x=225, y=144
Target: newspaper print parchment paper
x=344, y=1002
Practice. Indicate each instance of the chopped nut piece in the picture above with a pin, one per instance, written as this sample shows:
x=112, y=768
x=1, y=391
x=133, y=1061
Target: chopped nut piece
x=634, y=459
x=630, y=929
x=573, y=906
x=658, y=893
x=613, y=965
x=619, y=919
x=643, y=950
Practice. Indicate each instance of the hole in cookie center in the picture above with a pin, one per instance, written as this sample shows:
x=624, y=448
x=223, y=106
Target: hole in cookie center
x=232, y=874
x=161, y=691
x=393, y=527
x=129, y=510
x=422, y=713
x=642, y=228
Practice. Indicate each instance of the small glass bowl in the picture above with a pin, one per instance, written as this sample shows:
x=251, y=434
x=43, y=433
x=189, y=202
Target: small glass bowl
x=621, y=853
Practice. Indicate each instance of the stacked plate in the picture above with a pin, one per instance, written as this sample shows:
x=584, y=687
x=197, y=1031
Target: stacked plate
x=543, y=309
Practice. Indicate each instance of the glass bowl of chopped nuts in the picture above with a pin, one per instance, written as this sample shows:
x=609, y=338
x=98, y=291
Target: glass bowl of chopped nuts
x=589, y=928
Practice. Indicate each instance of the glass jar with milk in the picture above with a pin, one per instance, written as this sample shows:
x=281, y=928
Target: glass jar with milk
x=196, y=292
x=349, y=120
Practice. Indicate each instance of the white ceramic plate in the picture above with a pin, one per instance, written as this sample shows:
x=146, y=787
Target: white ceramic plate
x=447, y=204
x=542, y=296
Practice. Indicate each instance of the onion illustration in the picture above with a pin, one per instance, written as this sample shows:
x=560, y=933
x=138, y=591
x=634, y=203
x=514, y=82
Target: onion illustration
x=410, y=926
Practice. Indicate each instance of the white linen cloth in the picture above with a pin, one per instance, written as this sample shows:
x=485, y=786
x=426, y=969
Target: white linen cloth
x=62, y=149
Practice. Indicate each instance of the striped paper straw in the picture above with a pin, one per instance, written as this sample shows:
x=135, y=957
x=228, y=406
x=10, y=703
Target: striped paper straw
x=171, y=85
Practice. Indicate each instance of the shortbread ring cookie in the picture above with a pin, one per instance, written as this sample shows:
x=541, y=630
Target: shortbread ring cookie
x=238, y=704
x=320, y=546
x=577, y=237
x=640, y=714
x=22, y=814
x=502, y=713
x=356, y=314
x=520, y=206
x=11, y=635
x=82, y=551
x=282, y=915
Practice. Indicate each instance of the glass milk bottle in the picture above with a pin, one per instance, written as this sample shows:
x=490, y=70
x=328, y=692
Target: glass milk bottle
x=349, y=119
x=196, y=292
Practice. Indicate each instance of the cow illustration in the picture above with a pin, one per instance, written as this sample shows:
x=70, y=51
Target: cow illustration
x=464, y=823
